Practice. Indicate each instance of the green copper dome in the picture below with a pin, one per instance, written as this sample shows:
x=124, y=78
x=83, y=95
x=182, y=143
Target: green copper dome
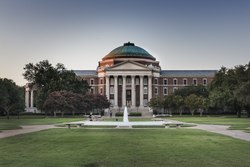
x=129, y=50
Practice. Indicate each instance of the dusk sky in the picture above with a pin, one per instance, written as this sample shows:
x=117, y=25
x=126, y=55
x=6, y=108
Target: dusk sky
x=181, y=34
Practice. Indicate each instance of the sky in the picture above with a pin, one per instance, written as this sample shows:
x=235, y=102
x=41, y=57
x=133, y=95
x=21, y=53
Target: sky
x=180, y=34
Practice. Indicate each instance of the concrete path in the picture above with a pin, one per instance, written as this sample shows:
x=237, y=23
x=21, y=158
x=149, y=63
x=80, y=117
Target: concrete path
x=25, y=129
x=222, y=129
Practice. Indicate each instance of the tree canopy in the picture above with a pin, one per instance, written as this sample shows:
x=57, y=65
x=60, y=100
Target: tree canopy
x=49, y=79
x=12, y=97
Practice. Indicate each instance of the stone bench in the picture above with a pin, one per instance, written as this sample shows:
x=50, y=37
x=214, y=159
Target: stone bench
x=77, y=124
x=168, y=125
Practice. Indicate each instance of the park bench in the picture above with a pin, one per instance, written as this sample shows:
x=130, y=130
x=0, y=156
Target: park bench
x=177, y=125
x=77, y=124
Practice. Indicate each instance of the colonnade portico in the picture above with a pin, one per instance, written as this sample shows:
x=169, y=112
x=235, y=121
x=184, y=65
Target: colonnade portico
x=126, y=88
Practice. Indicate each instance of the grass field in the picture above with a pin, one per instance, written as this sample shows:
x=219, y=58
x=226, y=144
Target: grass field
x=15, y=123
x=123, y=147
x=235, y=123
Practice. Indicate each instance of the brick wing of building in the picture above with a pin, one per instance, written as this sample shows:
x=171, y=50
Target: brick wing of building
x=130, y=76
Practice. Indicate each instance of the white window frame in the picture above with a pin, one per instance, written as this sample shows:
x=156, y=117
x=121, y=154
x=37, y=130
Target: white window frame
x=175, y=83
x=92, y=81
x=165, y=79
x=165, y=88
x=156, y=90
x=204, y=79
x=195, y=79
x=174, y=89
x=185, y=79
x=156, y=81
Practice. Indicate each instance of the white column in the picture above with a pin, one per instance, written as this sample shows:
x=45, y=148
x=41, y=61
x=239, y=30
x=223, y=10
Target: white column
x=107, y=87
x=133, y=90
x=116, y=91
x=149, y=88
x=32, y=98
x=27, y=97
x=124, y=91
x=141, y=91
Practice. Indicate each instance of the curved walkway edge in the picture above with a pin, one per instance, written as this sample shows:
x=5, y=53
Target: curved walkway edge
x=25, y=129
x=222, y=129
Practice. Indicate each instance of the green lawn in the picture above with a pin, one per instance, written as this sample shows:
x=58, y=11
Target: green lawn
x=235, y=123
x=123, y=147
x=16, y=123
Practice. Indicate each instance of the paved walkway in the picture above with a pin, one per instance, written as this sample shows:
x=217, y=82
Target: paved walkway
x=222, y=129
x=25, y=129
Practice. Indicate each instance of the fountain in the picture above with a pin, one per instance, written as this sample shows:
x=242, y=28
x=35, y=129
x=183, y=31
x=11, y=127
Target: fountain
x=124, y=124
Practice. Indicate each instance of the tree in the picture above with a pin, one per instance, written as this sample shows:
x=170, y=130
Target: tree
x=156, y=103
x=243, y=95
x=193, y=102
x=49, y=79
x=199, y=90
x=12, y=97
x=225, y=85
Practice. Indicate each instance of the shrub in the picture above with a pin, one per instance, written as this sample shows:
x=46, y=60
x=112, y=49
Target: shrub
x=119, y=114
x=136, y=114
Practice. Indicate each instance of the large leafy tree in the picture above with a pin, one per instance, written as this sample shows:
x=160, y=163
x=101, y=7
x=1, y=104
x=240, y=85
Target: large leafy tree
x=67, y=101
x=228, y=86
x=243, y=95
x=49, y=79
x=12, y=97
x=199, y=90
x=156, y=103
x=194, y=102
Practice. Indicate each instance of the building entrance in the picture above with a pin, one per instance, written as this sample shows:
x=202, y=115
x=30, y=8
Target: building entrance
x=128, y=98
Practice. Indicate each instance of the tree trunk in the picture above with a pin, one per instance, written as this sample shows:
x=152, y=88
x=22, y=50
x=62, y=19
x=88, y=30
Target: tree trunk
x=62, y=114
x=239, y=113
x=180, y=112
x=8, y=115
x=54, y=114
x=192, y=112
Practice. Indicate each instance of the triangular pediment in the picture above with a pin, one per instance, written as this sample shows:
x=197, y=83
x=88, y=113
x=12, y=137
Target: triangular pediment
x=129, y=65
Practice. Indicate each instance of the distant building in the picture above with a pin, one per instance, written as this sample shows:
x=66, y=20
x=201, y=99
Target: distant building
x=130, y=76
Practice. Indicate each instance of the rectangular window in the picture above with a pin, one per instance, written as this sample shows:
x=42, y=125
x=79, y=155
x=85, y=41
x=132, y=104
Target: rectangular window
x=111, y=81
x=91, y=82
x=111, y=90
x=204, y=81
x=119, y=81
x=137, y=82
x=92, y=90
x=165, y=91
x=101, y=81
x=156, y=91
x=156, y=81
x=145, y=102
x=128, y=81
x=174, y=89
x=184, y=81
x=165, y=81
x=175, y=81
x=145, y=90
x=145, y=81
x=101, y=91
x=195, y=81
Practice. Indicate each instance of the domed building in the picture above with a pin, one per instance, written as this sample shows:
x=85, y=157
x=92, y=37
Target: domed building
x=130, y=76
